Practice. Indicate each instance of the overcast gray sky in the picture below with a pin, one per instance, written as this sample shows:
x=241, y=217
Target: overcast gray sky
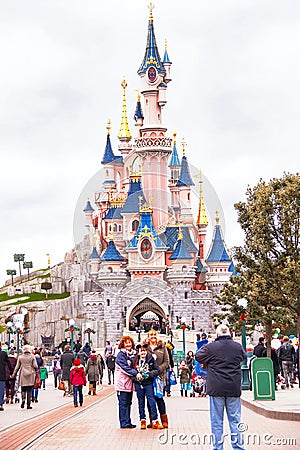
x=234, y=98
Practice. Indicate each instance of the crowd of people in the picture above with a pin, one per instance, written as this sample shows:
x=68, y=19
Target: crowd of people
x=148, y=370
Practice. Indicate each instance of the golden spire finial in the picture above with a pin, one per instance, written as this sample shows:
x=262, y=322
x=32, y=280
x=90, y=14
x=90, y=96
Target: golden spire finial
x=138, y=95
x=110, y=236
x=108, y=126
x=202, y=217
x=151, y=6
x=180, y=234
x=174, y=137
x=217, y=218
x=166, y=44
x=124, y=133
x=183, y=144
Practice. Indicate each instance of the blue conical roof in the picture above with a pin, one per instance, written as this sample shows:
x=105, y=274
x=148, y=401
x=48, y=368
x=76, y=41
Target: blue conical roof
x=180, y=252
x=185, y=178
x=133, y=201
x=108, y=152
x=170, y=237
x=88, y=207
x=138, y=111
x=94, y=254
x=151, y=57
x=113, y=213
x=174, y=160
x=166, y=58
x=111, y=253
x=218, y=252
x=199, y=266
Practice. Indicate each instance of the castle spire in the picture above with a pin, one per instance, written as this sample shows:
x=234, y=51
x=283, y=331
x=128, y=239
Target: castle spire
x=202, y=217
x=124, y=134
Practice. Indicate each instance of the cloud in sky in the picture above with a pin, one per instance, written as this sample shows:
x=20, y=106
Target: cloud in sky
x=234, y=98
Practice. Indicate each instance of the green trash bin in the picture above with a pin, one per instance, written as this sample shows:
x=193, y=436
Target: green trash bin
x=262, y=374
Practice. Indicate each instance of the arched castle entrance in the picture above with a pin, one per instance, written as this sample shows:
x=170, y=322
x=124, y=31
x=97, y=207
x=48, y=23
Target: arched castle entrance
x=146, y=314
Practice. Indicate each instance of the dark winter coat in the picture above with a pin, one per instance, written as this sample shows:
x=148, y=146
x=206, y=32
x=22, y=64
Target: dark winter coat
x=4, y=363
x=258, y=350
x=286, y=352
x=222, y=358
x=185, y=375
x=82, y=356
x=66, y=362
x=124, y=372
x=111, y=362
x=93, y=368
x=151, y=368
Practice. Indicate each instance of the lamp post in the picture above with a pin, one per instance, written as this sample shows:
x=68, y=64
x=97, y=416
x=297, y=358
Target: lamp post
x=245, y=370
x=9, y=331
x=19, y=332
x=88, y=331
x=183, y=327
x=71, y=328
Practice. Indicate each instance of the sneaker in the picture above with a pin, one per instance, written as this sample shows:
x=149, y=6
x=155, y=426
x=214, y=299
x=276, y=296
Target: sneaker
x=1, y=408
x=168, y=394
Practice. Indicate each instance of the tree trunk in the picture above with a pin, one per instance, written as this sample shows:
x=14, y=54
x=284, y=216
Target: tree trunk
x=269, y=337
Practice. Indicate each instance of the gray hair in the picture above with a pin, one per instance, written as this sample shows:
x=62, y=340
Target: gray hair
x=223, y=330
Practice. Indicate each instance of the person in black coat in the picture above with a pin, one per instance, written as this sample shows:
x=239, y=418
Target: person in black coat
x=275, y=360
x=66, y=362
x=4, y=363
x=147, y=369
x=222, y=359
x=260, y=347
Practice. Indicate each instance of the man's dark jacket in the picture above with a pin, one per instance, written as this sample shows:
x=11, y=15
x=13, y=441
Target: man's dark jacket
x=222, y=359
x=4, y=361
x=258, y=350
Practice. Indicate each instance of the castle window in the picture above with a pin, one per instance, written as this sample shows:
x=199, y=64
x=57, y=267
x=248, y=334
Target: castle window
x=135, y=225
x=118, y=326
x=185, y=295
x=120, y=228
x=115, y=227
x=108, y=302
x=189, y=196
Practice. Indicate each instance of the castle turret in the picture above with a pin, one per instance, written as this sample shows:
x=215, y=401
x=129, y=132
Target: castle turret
x=88, y=212
x=202, y=221
x=184, y=185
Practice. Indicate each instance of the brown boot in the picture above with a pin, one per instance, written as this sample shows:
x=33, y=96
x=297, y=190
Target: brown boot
x=164, y=420
x=156, y=425
x=143, y=424
x=90, y=389
x=94, y=391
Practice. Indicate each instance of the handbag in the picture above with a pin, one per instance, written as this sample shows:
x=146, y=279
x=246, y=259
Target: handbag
x=172, y=378
x=61, y=386
x=158, y=386
x=37, y=381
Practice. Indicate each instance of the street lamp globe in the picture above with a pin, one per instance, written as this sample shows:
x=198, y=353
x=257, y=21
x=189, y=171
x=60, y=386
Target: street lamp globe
x=183, y=319
x=88, y=325
x=9, y=324
x=18, y=325
x=71, y=322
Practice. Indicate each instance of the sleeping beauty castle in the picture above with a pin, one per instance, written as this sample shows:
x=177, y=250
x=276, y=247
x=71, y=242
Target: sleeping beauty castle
x=144, y=259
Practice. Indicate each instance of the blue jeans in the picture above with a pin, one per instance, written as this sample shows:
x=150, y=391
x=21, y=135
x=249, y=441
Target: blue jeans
x=142, y=392
x=2, y=387
x=77, y=390
x=168, y=386
x=233, y=411
x=125, y=400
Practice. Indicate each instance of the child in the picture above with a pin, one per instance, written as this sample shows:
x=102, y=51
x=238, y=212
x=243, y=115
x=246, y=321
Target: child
x=147, y=370
x=185, y=377
x=77, y=380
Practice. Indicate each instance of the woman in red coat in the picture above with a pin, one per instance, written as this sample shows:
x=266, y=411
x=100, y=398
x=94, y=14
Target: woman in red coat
x=77, y=380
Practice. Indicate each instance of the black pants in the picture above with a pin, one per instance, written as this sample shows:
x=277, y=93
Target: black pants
x=111, y=375
x=26, y=394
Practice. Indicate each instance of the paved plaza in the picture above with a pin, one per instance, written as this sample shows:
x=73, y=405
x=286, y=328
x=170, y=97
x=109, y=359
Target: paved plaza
x=54, y=423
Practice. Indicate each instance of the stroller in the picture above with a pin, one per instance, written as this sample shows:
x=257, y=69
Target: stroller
x=198, y=385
